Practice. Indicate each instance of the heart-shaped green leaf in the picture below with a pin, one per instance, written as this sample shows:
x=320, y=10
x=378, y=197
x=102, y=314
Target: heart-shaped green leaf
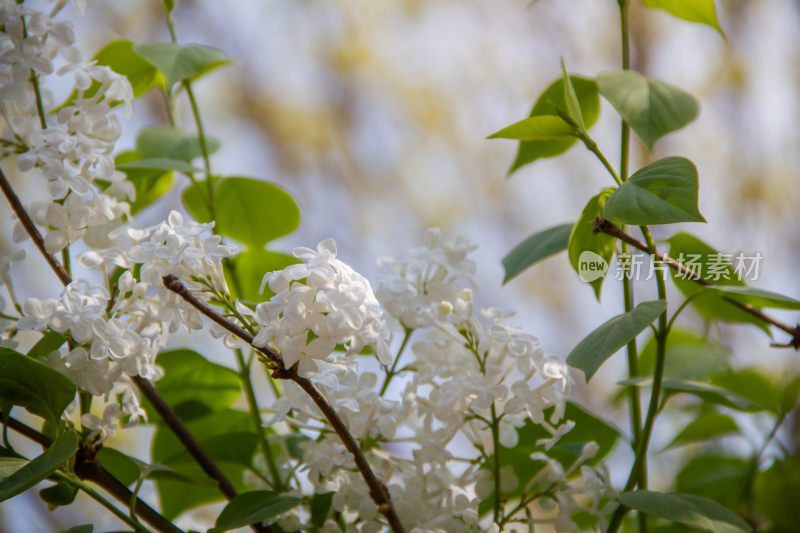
x=663, y=192
x=715, y=267
x=180, y=62
x=651, y=107
x=254, y=212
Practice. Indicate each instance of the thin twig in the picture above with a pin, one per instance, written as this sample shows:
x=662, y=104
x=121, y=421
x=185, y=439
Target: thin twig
x=93, y=471
x=377, y=490
x=32, y=230
x=606, y=226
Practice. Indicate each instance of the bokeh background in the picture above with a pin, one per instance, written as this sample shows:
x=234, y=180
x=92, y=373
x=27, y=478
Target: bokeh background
x=374, y=114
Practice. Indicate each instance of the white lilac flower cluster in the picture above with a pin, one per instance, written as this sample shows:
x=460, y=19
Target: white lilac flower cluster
x=468, y=373
x=111, y=336
x=319, y=304
x=71, y=146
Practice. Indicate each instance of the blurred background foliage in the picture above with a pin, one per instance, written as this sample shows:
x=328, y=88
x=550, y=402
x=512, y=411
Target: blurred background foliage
x=374, y=113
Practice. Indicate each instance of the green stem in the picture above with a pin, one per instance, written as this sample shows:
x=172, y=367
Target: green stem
x=132, y=503
x=89, y=490
x=496, y=464
x=627, y=282
x=592, y=147
x=753, y=470
x=66, y=260
x=640, y=463
x=392, y=372
x=36, y=90
x=255, y=413
x=201, y=136
x=39, y=104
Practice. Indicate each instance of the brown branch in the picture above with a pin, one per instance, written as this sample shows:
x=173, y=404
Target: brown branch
x=377, y=490
x=32, y=230
x=606, y=226
x=94, y=471
x=197, y=452
x=169, y=416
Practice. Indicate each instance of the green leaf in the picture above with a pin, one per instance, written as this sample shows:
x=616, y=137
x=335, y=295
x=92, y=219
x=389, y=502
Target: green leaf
x=190, y=377
x=714, y=477
x=171, y=143
x=253, y=507
x=227, y=436
x=586, y=93
x=708, y=425
x=776, y=491
x=751, y=384
x=756, y=297
x=701, y=11
x=535, y=248
x=537, y=128
x=40, y=468
x=689, y=356
x=120, y=57
x=50, y=342
x=149, y=184
x=85, y=528
x=606, y=340
x=708, y=393
x=791, y=391
x=26, y=382
x=126, y=469
x=194, y=200
x=651, y=107
x=713, y=266
x=249, y=268
x=181, y=62
x=320, y=507
x=166, y=446
x=686, y=509
x=9, y=465
x=571, y=99
x=663, y=192
x=169, y=5
x=160, y=163
x=254, y=212
x=58, y=494
x=588, y=248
